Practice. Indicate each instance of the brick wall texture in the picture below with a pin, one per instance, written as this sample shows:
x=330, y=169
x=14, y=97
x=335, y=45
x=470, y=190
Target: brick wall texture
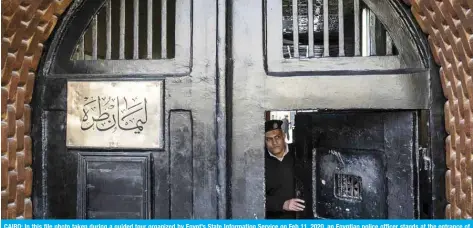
x=27, y=24
x=449, y=26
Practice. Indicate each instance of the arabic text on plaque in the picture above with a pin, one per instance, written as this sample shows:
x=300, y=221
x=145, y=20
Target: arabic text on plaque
x=114, y=114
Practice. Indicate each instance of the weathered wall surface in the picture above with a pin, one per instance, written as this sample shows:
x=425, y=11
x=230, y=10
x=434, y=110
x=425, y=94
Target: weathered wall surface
x=27, y=24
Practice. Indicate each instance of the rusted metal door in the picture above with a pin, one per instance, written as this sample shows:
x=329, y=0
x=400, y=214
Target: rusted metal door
x=359, y=163
x=125, y=120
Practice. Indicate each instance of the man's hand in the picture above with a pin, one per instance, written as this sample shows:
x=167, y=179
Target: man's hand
x=293, y=205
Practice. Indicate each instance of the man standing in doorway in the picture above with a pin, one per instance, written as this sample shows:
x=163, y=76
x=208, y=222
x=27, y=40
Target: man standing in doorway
x=281, y=201
x=285, y=127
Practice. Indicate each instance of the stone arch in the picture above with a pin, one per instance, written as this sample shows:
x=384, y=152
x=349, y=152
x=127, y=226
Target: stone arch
x=27, y=26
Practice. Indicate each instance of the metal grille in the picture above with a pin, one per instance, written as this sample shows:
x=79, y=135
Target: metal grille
x=129, y=29
x=326, y=28
x=347, y=186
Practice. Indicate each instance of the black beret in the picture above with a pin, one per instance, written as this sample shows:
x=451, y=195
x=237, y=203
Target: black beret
x=272, y=125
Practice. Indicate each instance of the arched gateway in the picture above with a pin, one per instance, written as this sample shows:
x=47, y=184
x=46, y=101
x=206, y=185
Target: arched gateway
x=155, y=109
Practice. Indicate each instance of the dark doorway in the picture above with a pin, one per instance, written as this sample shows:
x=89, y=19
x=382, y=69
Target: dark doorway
x=358, y=164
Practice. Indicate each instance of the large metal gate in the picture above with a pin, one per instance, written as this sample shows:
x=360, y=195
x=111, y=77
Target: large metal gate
x=155, y=108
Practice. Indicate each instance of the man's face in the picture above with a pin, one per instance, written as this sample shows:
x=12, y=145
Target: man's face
x=275, y=142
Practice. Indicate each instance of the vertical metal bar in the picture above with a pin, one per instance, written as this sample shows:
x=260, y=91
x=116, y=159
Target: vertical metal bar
x=341, y=35
x=344, y=185
x=164, y=29
x=365, y=41
x=389, y=44
x=295, y=28
x=81, y=48
x=352, y=191
x=149, y=39
x=357, y=27
x=108, y=34
x=122, y=30
x=310, y=17
x=326, y=37
x=136, y=24
x=372, y=33
x=355, y=188
x=289, y=51
x=340, y=185
x=94, y=38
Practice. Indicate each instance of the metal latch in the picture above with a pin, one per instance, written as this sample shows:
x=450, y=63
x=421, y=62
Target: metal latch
x=425, y=157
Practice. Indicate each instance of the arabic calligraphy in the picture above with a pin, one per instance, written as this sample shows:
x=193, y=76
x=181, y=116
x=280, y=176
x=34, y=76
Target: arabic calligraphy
x=115, y=114
x=104, y=113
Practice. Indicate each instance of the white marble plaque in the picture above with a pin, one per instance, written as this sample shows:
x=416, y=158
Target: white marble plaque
x=115, y=114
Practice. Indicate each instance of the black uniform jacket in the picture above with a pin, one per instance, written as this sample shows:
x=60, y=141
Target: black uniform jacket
x=280, y=184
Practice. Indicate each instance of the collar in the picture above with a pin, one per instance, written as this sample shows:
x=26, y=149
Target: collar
x=280, y=159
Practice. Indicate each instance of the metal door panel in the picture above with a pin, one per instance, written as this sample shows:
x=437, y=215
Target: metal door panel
x=184, y=171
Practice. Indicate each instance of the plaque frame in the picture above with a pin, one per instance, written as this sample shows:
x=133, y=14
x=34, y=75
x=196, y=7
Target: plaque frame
x=100, y=124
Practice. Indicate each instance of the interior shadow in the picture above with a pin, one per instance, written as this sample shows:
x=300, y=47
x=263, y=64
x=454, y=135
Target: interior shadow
x=343, y=164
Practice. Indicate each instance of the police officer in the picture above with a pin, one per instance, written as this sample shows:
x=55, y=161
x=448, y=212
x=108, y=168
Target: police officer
x=281, y=201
